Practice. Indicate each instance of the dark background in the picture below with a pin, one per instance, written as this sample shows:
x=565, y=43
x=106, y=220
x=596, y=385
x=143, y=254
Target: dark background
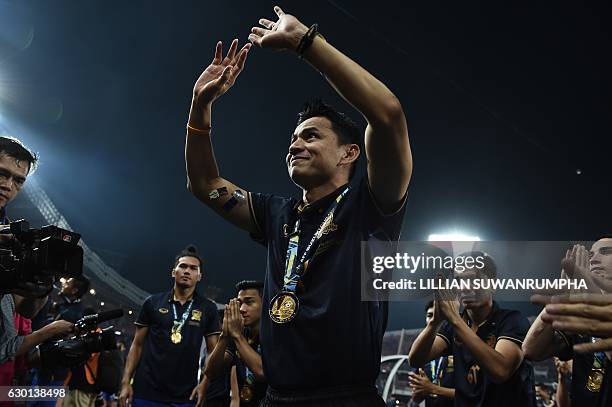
x=505, y=103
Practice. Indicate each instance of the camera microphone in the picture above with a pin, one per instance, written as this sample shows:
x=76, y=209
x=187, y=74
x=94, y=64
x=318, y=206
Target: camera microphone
x=95, y=319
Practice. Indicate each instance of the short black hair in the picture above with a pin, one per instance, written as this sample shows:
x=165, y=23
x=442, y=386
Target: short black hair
x=16, y=149
x=189, y=251
x=345, y=128
x=249, y=285
x=82, y=285
x=429, y=305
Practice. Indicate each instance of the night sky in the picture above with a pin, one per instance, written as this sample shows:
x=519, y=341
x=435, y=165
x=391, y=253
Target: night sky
x=505, y=102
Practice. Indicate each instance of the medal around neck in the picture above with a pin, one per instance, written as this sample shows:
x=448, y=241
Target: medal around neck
x=284, y=307
x=246, y=394
x=176, y=337
x=595, y=380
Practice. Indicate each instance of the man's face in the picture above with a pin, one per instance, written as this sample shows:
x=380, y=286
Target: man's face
x=429, y=315
x=13, y=174
x=250, y=306
x=473, y=298
x=69, y=288
x=187, y=272
x=314, y=154
x=601, y=258
x=542, y=393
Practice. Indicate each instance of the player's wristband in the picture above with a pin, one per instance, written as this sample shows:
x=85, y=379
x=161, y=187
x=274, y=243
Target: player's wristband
x=307, y=40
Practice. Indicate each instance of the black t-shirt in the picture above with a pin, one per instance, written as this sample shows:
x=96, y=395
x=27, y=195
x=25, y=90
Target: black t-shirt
x=245, y=376
x=441, y=371
x=333, y=327
x=582, y=365
x=168, y=372
x=473, y=387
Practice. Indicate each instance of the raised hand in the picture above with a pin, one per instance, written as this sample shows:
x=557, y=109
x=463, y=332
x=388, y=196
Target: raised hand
x=283, y=34
x=235, y=322
x=221, y=74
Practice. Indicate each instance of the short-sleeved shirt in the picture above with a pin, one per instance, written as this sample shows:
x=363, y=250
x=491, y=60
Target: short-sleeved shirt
x=168, y=372
x=333, y=326
x=245, y=376
x=582, y=365
x=441, y=371
x=473, y=386
x=10, y=342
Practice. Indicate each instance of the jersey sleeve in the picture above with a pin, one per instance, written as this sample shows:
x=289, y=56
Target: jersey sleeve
x=146, y=312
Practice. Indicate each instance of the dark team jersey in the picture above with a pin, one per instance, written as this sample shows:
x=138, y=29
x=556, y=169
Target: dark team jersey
x=332, y=325
x=441, y=371
x=585, y=391
x=167, y=371
x=473, y=386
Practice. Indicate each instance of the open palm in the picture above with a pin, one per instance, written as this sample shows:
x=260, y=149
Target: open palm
x=221, y=74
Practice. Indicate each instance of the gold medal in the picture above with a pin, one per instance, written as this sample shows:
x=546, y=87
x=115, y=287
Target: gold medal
x=176, y=337
x=284, y=307
x=246, y=394
x=594, y=381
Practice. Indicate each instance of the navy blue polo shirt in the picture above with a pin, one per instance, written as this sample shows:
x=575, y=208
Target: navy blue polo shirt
x=335, y=339
x=441, y=371
x=257, y=387
x=473, y=387
x=581, y=367
x=168, y=372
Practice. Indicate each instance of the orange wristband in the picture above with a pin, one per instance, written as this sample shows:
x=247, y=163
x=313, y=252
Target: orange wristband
x=199, y=132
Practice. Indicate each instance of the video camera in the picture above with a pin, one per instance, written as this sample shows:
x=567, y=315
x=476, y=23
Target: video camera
x=89, y=339
x=38, y=255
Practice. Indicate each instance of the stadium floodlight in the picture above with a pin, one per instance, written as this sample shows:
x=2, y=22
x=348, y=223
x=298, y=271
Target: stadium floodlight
x=452, y=237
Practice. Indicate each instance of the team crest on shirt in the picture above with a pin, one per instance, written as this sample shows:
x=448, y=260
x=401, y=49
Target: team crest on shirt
x=196, y=315
x=327, y=226
x=163, y=310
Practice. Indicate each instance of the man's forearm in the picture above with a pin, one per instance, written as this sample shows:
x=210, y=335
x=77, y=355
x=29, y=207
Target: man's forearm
x=360, y=88
x=563, y=399
x=132, y=362
x=490, y=359
x=250, y=357
x=538, y=344
x=36, y=338
x=421, y=348
x=215, y=364
x=202, y=169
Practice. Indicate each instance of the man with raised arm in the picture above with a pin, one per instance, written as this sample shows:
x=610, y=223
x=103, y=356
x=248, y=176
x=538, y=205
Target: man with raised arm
x=320, y=343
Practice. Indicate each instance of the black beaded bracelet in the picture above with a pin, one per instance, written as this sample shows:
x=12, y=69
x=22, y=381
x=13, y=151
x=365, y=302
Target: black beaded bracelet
x=307, y=40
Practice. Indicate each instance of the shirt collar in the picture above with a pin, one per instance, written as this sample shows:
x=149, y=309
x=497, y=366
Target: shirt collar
x=172, y=297
x=321, y=204
x=487, y=320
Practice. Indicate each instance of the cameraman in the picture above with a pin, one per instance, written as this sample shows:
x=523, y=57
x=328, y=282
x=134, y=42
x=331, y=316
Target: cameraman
x=25, y=298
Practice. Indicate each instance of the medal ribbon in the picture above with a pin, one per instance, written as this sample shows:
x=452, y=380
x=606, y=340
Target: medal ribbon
x=178, y=325
x=295, y=270
x=598, y=357
x=436, y=373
